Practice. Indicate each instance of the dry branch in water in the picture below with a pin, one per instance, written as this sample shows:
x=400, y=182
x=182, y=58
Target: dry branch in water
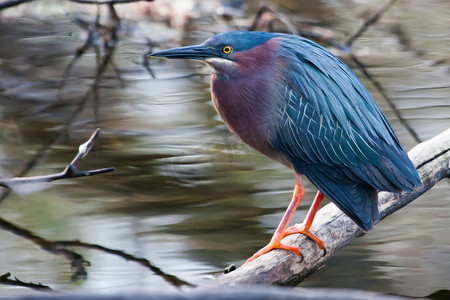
x=4, y=279
x=173, y=280
x=432, y=160
x=69, y=172
x=77, y=262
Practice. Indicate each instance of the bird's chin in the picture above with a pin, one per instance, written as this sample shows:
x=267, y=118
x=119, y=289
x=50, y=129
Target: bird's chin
x=221, y=65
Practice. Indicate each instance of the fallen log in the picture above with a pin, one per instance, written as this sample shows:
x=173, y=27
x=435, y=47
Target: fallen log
x=432, y=160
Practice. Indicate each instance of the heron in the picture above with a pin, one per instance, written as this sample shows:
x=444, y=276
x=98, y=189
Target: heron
x=297, y=103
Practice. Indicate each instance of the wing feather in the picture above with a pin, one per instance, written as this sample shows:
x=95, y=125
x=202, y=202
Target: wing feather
x=330, y=122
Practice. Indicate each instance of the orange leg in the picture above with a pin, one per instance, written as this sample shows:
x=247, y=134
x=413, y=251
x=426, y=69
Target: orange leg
x=306, y=225
x=275, y=242
x=281, y=231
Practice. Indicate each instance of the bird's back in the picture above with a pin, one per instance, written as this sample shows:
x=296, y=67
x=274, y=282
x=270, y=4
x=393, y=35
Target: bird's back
x=334, y=133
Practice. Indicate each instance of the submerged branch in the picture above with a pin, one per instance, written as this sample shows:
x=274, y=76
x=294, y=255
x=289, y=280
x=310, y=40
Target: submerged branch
x=431, y=159
x=383, y=93
x=370, y=21
x=12, y=3
x=5, y=280
x=77, y=261
x=175, y=281
x=108, y=2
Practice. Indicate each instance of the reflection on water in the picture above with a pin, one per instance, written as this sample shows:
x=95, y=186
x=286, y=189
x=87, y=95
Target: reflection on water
x=186, y=194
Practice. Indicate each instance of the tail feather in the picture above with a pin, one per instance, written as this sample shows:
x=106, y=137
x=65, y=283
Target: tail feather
x=359, y=201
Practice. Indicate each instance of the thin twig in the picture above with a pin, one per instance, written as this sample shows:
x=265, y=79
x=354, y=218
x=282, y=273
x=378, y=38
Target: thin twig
x=5, y=280
x=367, y=23
x=105, y=2
x=303, y=31
x=278, y=17
x=146, y=61
x=351, y=39
x=69, y=172
x=11, y=3
x=383, y=93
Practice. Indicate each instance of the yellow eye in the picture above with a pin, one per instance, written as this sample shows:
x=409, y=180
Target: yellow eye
x=227, y=49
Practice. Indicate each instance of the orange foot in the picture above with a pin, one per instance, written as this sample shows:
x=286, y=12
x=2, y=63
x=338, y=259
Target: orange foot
x=303, y=229
x=274, y=245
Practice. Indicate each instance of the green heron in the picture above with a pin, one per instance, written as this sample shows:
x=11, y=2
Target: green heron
x=297, y=103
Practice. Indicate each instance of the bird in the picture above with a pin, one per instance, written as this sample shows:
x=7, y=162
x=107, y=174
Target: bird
x=297, y=103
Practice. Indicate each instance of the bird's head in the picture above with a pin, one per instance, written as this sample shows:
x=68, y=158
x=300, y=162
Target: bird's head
x=230, y=53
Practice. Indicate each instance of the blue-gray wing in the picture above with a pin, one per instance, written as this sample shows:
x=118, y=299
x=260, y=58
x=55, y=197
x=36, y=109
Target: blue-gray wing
x=334, y=133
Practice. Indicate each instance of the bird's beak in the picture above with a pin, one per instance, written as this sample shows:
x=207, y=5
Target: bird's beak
x=199, y=52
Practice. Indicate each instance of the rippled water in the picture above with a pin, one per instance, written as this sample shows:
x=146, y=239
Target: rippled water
x=187, y=195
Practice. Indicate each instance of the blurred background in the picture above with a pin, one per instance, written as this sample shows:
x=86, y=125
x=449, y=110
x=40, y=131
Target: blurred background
x=187, y=195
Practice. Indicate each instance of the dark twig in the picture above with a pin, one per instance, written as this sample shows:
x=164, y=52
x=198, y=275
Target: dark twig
x=97, y=33
x=367, y=23
x=145, y=60
x=100, y=2
x=383, y=93
x=77, y=261
x=11, y=3
x=277, y=17
x=305, y=30
x=351, y=39
x=4, y=279
x=257, y=17
x=92, y=41
x=325, y=39
x=69, y=172
x=142, y=261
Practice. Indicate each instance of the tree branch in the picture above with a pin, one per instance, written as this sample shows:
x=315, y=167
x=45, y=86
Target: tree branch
x=12, y=3
x=69, y=172
x=100, y=2
x=431, y=159
x=367, y=23
x=384, y=94
x=4, y=279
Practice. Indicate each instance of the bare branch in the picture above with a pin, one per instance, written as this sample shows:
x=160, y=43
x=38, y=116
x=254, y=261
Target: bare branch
x=370, y=21
x=11, y=3
x=100, y=2
x=69, y=172
x=431, y=159
x=4, y=279
x=303, y=30
x=383, y=93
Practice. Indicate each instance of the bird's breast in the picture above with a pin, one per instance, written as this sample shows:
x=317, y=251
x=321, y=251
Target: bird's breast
x=248, y=106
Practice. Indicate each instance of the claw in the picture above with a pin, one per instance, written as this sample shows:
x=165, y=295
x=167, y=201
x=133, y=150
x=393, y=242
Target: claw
x=274, y=245
x=300, y=228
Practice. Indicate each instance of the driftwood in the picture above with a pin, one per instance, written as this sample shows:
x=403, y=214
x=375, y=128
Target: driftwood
x=432, y=160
